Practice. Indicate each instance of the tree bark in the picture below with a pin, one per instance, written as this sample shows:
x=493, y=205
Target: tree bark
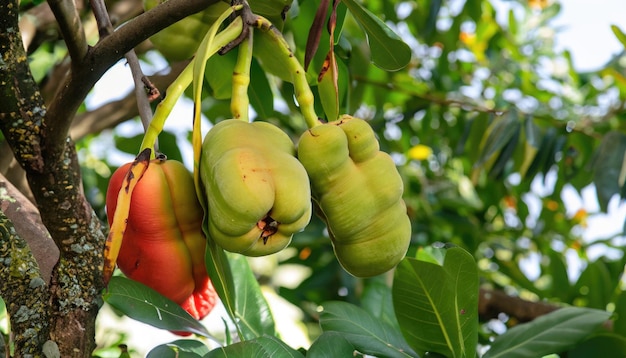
x=61, y=314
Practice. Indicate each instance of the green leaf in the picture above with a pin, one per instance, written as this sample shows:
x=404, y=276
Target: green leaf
x=619, y=34
x=558, y=270
x=377, y=300
x=144, y=304
x=608, y=167
x=595, y=285
x=183, y=348
x=330, y=345
x=168, y=145
x=387, y=49
x=251, y=309
x=605, y=345
x=221, y=276
x=260, y=92
x=266, y=346
x=365, y=332
x=499, y=133
x=219, y=74
x=437, y=305
x=551, y=333
x=619, y=326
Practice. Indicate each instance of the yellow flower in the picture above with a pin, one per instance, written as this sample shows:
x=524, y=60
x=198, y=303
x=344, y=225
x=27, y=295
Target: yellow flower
x=420, y=152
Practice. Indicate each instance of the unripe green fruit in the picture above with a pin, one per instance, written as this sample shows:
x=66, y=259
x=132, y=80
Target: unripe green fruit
x=258, y=194
x=359, y=193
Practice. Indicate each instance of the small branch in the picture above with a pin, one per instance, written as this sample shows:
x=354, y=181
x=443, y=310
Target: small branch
x=100, y=58
x=115, y=112
x=143, y=103
x=428, y=97
x=105, y=28
x=492, y=303
x=27, y=222
x=68, y=18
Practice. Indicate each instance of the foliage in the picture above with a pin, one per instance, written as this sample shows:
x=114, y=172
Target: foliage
x=478, y=114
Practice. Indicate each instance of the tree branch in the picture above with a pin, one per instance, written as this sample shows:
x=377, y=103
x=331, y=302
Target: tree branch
x=71, y=27
x=27, y=222
x=57, y=186
x=115, y=112
x=491, y=303
x=101, y=57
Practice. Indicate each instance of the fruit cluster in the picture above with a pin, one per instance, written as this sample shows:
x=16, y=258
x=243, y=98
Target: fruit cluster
x=252, y=190
x=258, y=194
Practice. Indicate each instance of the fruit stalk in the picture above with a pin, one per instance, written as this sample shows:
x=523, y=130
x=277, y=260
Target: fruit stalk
x=304, y=95
x=180, y=84
x=241, y=79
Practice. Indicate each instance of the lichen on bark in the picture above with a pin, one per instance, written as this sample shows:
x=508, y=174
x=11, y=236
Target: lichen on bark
x=23, y=290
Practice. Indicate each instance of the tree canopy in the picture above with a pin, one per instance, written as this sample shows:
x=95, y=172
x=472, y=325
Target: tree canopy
x=476, y=114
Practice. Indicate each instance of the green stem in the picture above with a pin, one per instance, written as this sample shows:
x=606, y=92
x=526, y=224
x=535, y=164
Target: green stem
x=176, y=88
x=240, y=101
x=304, y=95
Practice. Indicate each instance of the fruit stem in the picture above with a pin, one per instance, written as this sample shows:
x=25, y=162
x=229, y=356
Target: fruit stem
x=180, y=84
x=304, y=95
x=240, y=101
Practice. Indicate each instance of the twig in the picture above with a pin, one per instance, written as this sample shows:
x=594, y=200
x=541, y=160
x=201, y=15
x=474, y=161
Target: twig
x=71, y=28
x=100, y=58
x=105, y=28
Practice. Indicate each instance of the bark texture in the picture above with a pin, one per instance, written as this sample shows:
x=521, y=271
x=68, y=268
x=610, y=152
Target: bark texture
x=58, y=315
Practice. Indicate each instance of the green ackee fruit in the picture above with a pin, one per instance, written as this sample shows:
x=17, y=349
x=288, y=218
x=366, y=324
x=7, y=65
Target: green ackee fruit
x=258, y=194
x=359, y=193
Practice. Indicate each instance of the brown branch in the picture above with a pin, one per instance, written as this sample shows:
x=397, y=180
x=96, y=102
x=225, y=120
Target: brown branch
x=57, y=187
x=113, y=113
x=71, y=27
x=27, y=222
x=101, y=57
x=491, y=303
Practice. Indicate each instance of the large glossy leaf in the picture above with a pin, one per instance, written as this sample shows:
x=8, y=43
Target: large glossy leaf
x=595, y=285
x=183, y=348
x=261, y=347
x=436, y=302
x=605, y=345
x=365, y=332
x=252, y=312
x=387, y=49
x=555, y=332
x=144, y=304
x=330, y=345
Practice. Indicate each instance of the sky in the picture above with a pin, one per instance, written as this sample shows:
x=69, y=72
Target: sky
x=587, y=33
